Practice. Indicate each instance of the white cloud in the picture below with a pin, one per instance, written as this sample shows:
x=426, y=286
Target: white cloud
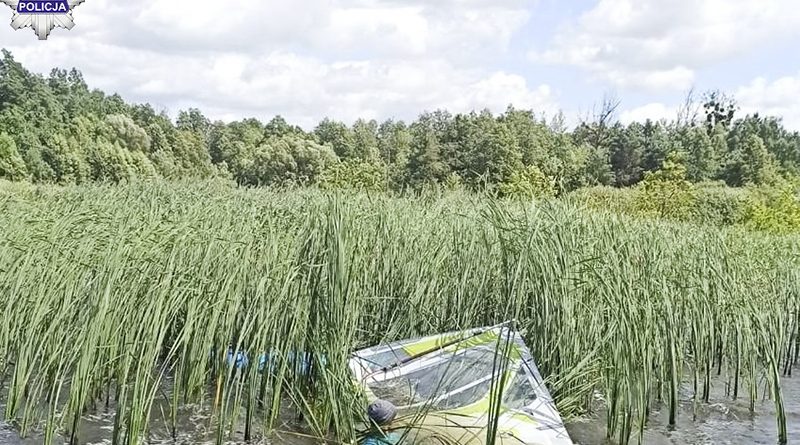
x=501, y=89
x=333, y=28
x=659, y=44
x=304, y=60
x=780, y=97
x=654, y=111
x=303, y=89
x=678, y=78
x=403, y=30
x=777, y=98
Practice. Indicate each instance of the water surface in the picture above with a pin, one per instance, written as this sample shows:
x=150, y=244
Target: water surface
x=722, y=421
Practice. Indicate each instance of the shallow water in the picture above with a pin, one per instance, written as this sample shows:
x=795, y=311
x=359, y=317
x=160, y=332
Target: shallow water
x=722, y=421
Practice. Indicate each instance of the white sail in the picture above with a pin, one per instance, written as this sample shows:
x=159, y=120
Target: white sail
x=444, y=385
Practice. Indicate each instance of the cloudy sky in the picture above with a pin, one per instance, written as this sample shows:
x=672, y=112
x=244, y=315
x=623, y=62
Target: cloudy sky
x=307, y=59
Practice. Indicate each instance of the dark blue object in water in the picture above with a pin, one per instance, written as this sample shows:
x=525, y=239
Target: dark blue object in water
x=240, y=361
x=300, y=363
x=302, y=366
x=262, y=363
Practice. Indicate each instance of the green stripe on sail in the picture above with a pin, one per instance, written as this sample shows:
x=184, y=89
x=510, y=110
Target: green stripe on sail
x=487, y=338
x=445, y=342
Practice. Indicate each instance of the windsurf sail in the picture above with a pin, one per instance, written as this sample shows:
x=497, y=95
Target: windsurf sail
x=447, y=384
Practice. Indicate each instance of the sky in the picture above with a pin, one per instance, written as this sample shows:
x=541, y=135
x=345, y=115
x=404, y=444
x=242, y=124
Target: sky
x=379, y=59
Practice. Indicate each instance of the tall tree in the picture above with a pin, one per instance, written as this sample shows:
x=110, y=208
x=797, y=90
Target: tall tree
x=339, y=137
x=425, y=166
x=702, y=162
x=394, y=145
x=750, y=162
x=657, y=146
x=365, y=140
x=193, y=120
x=625, y=153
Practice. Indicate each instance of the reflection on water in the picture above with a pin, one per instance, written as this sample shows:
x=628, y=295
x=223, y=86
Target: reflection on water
x=720, y=422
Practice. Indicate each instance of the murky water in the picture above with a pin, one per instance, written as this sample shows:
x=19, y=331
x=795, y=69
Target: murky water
x=722, y=421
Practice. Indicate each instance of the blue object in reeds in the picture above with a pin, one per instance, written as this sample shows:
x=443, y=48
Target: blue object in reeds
x=240, y=361
x=299, y=362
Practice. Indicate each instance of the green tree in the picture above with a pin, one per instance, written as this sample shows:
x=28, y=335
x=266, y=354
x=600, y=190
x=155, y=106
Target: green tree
x=59, y=127
x=365, y=140
x=394, y=145
x=667, y=193
x=193, y=120
x=782, y=144
x=719, y=144
x=597, y=137
x=12, y=166
x=288, y=160
x=657, y=146
x=355, y=174
x=489, y=150
x=141, y=166
x=339, y=137
x=165, y=165
x=109, y=162
x=533, y=136
x=626, y=148
x=549, y=147
x=121, y=129
x=774, y=209
x=575, y=171
x=279, y=127
x=702, y=163
x=191, y=154
x=528, y=183
x=425, y=166
x=35, y=164
x=598, y=168
x=749, y=162
x=66, y=159
x=235, y=145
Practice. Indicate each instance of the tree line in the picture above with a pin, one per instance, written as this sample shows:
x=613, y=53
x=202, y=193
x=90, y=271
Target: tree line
x=56, y=129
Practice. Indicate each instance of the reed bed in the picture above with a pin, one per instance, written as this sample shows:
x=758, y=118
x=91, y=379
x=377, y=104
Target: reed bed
x=112, y=294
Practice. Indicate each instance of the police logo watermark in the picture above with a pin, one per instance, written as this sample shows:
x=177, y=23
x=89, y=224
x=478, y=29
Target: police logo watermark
x=42, y=15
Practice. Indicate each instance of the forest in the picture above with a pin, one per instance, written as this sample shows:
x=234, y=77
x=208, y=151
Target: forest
x=56, y=129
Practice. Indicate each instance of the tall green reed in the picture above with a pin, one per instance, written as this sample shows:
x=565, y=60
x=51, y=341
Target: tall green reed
x=134, y=296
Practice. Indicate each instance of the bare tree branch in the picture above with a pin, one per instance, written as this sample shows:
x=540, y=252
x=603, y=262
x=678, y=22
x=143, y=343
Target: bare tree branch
x=608, y=111
x=689, y=111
